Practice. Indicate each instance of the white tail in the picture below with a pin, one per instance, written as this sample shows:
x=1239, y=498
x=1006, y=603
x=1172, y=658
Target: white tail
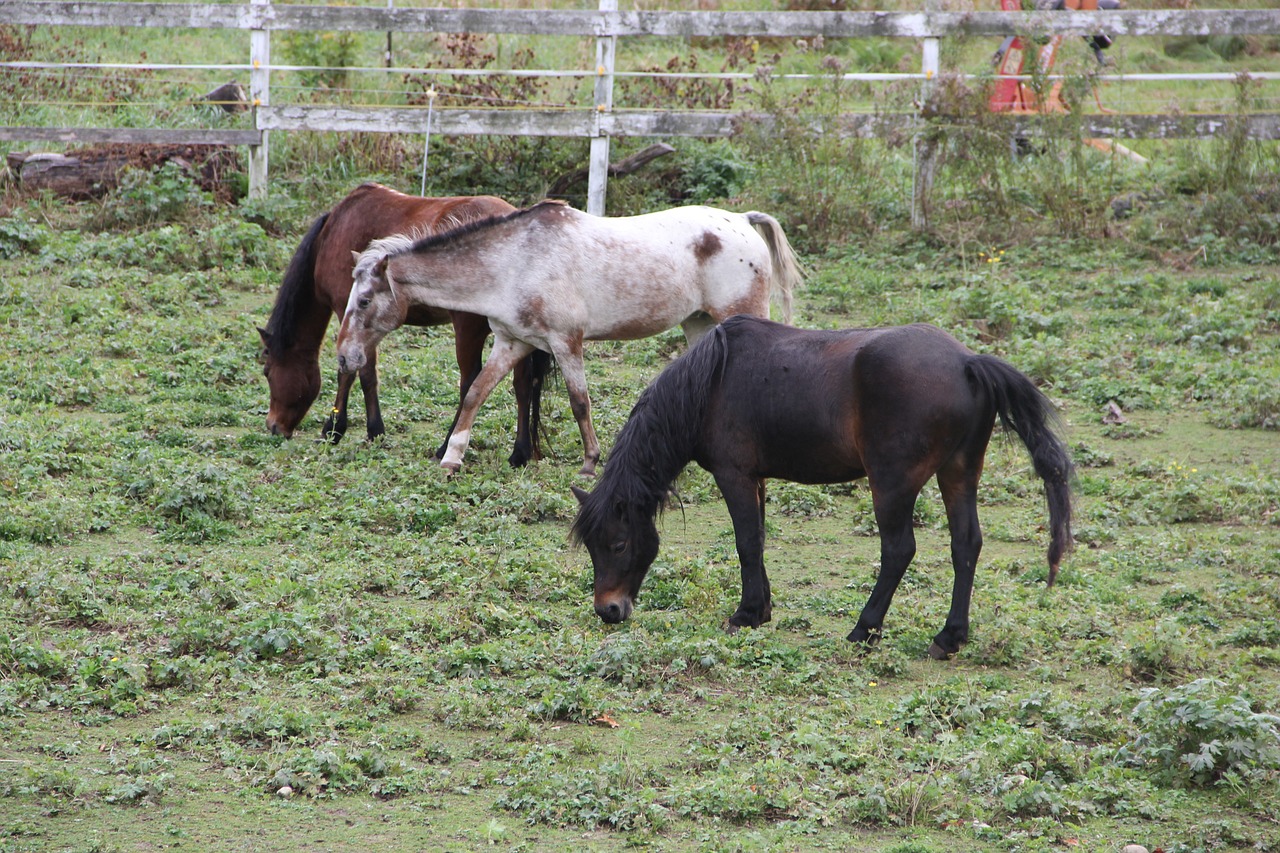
x=786, y=268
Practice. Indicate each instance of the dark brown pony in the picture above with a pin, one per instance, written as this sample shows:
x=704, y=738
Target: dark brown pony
x=755, y=399
x=316, y=286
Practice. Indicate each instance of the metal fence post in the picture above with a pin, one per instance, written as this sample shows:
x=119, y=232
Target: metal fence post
x=598, y=174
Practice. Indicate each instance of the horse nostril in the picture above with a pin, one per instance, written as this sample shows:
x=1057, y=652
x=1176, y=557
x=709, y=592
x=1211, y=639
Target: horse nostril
x=613, y=613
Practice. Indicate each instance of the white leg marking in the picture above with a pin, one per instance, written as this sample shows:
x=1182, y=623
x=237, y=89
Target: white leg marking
x=457, y=447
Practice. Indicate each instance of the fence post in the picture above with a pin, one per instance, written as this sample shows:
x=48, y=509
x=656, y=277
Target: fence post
x=598, y=174
x=926, y=144
x=259, y=93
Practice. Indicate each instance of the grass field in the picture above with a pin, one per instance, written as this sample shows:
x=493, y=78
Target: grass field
x=214, y=639
x=198, y=617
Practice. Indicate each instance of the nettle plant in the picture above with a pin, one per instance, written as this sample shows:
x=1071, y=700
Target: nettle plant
x=1201, y=735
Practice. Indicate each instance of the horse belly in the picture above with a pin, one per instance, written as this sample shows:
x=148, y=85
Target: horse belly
x=806, y=458
x=639, y=298
x=787, y=440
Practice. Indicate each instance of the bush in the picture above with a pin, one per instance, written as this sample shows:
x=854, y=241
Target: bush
x=1198, y=734
x=164, y=194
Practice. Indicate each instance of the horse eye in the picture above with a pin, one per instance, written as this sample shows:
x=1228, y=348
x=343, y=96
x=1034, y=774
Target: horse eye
x=619, y=547
x=362, y=303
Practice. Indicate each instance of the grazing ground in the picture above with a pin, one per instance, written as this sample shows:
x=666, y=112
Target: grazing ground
x=211, y=638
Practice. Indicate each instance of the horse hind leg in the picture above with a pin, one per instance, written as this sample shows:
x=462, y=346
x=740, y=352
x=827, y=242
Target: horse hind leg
x=960, y=496
x=527, y=381
x=696, y=326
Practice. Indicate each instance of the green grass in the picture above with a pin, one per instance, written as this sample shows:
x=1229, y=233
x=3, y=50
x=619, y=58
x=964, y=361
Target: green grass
x=197, y=615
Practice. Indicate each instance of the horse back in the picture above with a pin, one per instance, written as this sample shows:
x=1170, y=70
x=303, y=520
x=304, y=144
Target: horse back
x=829, y=406
x=372, y=211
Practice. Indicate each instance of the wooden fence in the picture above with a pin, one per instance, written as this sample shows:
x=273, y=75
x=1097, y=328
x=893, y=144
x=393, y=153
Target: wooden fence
x=600, y=122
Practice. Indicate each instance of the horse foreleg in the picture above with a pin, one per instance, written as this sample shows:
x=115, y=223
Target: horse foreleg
x=469, y=334
x=569, y=356
x=744, y=496
x=961, y=500
x=335, y=425
x=897, y=549
x=504, y=356
x=369, y=387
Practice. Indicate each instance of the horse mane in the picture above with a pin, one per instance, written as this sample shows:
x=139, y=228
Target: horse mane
x=440, y=238
x=299, y=280
x=383, y=247
x=659, y=437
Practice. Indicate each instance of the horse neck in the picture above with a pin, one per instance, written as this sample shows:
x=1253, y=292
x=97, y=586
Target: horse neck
x=457, y=279
x=653, y=448
x=300, y=326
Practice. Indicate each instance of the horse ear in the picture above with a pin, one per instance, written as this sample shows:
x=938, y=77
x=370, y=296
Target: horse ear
x=264, y=334
x=580, y=495
x=355, y=256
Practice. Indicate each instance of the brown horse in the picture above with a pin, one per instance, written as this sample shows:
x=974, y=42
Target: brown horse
x=756, y=399
x=316, y=286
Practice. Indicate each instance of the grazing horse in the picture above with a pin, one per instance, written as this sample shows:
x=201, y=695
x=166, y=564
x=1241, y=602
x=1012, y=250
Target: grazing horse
x=316, y=285
x=757, y=399
x=550, y=277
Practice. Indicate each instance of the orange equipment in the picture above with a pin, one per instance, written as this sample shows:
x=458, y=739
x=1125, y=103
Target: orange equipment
x=1014, y=95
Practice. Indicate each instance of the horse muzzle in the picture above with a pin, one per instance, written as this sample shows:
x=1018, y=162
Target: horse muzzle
x=613, y=610
x=275, y=427
x=350, y=363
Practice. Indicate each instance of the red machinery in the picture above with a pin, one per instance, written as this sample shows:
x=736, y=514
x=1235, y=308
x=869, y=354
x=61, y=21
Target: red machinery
x=1014, y=95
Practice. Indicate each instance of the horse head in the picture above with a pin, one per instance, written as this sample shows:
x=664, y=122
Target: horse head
x=294, y=383
x=374, y=306
x=623, y=542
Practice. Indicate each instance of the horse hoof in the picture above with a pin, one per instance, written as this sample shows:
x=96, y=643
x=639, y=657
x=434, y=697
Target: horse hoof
x=863, y=637
x=450, y=468
x=730, y=628
x=937, y=652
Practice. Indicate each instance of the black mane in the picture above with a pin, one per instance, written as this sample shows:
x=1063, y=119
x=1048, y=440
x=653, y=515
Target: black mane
x=299, y=280
x=659, y=438
x=432, y=241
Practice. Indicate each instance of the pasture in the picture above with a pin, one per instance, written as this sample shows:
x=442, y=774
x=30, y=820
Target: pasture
x=213, y=638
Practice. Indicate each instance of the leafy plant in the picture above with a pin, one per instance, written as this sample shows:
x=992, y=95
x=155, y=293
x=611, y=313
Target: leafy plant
x=1199, y=733
x=144, y=197
x=17, y=236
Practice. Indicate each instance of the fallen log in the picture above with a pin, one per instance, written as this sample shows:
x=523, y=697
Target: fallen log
x=93, y=172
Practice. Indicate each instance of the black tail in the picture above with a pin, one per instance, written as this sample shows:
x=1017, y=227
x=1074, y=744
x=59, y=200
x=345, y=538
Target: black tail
x=299, y=281
x=540, y=364
x=1026, y=411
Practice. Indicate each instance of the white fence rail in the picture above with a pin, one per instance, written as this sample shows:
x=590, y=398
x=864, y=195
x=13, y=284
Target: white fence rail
x=599, y=122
